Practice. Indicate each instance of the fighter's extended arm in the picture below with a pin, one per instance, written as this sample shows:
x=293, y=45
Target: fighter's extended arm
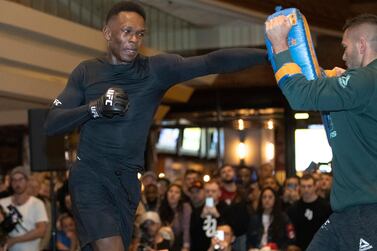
x=172, y=69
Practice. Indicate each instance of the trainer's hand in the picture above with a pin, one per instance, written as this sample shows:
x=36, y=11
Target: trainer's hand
x=338, y=71
x=113, y=102
x=335, y=72
x=277, y=30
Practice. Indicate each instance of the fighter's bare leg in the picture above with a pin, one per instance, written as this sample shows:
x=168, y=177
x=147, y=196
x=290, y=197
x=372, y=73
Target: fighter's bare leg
x=113, y=243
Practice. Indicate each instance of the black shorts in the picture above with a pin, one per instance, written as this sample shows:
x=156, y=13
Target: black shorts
x=354, y=228
x=105, y=196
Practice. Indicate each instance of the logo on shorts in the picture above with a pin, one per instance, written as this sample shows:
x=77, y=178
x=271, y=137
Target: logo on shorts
x=325, y=225
x=57, y=102
x=343, y=81
x=364, y=245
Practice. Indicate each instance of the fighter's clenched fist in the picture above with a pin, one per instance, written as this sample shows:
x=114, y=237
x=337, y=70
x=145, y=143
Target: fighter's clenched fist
x=113, y=102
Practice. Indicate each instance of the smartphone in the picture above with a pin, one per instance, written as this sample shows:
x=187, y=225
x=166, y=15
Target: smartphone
x=210, y=202
x=220, y=235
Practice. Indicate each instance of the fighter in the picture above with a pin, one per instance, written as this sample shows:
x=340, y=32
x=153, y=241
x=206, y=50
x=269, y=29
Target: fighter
x=112, y=100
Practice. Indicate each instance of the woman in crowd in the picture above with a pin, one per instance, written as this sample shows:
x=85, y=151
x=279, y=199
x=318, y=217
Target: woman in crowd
x=270, y=226
x=176, y=214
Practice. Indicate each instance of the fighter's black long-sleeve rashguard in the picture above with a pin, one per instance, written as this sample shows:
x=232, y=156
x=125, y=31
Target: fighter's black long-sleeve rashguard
x=146, y=79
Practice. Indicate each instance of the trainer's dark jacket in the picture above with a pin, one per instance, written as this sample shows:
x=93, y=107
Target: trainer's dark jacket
x=351, y=102
x=146, y=79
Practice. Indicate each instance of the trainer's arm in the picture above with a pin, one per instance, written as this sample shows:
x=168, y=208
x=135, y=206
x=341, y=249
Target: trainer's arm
x=69, y=110
x=351, y=90
x=172, y=69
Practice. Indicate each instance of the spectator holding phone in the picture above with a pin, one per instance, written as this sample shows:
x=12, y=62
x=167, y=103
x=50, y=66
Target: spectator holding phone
x=204, y=218
x=291, y=192
x=223, y=239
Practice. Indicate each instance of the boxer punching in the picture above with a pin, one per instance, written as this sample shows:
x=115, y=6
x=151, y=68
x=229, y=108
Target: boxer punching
x=112, y=100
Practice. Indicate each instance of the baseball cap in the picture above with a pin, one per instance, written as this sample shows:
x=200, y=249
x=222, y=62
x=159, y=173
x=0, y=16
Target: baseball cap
x=22, y=170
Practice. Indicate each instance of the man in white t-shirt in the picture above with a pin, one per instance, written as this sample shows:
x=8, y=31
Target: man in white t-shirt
x=32, y=227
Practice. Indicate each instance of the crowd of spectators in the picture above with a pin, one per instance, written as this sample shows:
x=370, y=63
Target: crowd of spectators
x=239, y=208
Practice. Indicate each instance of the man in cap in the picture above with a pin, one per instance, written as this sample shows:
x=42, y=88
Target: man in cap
x=27, y=233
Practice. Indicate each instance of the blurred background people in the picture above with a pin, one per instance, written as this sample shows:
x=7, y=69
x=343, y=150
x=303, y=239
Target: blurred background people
x=324, y=187
x=197, y=194
x=223, y=240
x=308, y=213
x=67, y=239
x=270, y=226
x=27, y=234
x=147, y=230
x=253, y=198
x=176, y=213
x=291, y=192
x=150, y=198
x=189, y=178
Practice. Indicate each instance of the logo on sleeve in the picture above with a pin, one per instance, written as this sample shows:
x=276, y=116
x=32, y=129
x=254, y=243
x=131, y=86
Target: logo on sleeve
x=364, y=245
x=343, y=80
x=57, y=102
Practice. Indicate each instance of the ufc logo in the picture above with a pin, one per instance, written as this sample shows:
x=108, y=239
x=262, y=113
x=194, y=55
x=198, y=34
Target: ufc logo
x=109, y=97
x=94, y=112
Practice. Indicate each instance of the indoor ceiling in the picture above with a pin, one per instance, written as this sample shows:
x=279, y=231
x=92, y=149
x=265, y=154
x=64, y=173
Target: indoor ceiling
x=255, y=87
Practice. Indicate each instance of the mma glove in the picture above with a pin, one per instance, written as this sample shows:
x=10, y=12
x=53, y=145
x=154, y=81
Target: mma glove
x=113, y=102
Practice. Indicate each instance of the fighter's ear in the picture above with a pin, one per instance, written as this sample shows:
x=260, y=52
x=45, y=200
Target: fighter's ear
x=106, y=32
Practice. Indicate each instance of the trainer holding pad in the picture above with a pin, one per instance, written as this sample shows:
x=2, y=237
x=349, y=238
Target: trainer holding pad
x=113, y=102
x=349, y=103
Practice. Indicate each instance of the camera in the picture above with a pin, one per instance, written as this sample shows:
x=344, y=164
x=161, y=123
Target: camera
x=146, y=238
x=11, y=219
